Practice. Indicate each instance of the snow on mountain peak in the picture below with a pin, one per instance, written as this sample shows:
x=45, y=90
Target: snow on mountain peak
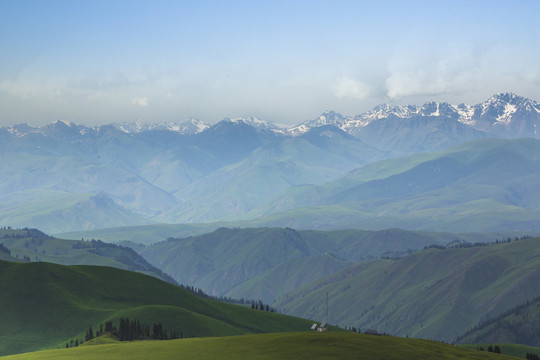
x=186, y=127
x=257, y=123
x=501, y=109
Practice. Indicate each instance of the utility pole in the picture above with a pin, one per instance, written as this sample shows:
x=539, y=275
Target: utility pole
x=327, y=307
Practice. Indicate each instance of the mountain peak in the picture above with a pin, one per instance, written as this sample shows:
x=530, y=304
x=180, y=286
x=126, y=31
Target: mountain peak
x=189, y=126
x=330, y=116
x=63, y=123
x=507, y=97
x=501, y=109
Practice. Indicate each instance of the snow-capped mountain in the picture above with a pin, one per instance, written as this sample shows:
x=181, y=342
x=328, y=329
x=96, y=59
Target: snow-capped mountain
x=326, y=118
x=257, y=123
x=56, y=129
x=508, y=113
x=187, y=127
x=504, y=114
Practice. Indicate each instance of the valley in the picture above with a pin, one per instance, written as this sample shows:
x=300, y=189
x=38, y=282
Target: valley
x=269, y=180
x=64, y=177
x=427, y=232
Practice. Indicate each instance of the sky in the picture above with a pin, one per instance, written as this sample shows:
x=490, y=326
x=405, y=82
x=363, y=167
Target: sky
x=97, y=62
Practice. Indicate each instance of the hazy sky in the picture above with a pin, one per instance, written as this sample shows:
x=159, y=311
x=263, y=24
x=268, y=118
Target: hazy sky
x=95, y=62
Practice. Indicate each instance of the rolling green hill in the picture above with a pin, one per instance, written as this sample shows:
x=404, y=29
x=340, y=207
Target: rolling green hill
x=44, y=305
x=303, y=345
x=34, y=245
x=433, y=293
x=265, y=263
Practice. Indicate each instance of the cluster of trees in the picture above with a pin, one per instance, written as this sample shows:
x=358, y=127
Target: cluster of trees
x=97, y=244
x=73, y=343
x=35, y=233
x=532, y=356
x=24, y=233
x=14, y=236
x=129, y=330
x=199, y=292
x=461, y=245
x=490, y=348
x=260, y=306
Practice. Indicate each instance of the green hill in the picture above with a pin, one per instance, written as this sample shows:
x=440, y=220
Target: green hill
x=519, y=325
x=516, y=350
x=34, y=245
x=309, y=346
x=46, y=305
x=431, y=294
x=265, y=263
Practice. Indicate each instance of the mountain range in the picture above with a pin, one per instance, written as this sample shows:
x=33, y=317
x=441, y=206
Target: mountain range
x=65, y=177
x=435, y=293
x=504, y=114
x=267, y=263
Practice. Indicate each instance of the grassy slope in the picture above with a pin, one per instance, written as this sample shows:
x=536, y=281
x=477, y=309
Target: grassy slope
x=272, y=346
x=38, y=246
x=225, y=259
x=433, y=293
x=287, y=276
x=6, y=257
x=521, y=325
x=507, y=349
x=45, y=305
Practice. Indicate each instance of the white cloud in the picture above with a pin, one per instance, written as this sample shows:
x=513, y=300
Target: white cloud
x=29, y=89
x=431, y=72
x=143, y=102
x=347, y=87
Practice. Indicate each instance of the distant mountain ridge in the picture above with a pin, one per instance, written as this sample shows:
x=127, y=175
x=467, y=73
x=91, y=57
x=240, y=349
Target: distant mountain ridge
x=64, y=177
x=503, y=114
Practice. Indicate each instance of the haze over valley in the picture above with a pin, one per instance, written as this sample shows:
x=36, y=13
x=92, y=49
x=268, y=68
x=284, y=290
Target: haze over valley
x=269, y=180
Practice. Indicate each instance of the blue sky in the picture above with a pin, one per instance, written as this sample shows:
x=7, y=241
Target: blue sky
x=96, y=62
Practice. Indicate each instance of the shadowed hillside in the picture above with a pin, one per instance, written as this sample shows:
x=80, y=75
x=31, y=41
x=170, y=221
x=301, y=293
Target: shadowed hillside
x=45, y=305
x=432, y=294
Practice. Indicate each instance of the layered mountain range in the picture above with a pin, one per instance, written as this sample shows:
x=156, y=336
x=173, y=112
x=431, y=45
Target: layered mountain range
x=64, y=177
x=504, y=114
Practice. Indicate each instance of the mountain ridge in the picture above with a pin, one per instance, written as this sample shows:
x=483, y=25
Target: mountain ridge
x=499, y=114
x=229, y=171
